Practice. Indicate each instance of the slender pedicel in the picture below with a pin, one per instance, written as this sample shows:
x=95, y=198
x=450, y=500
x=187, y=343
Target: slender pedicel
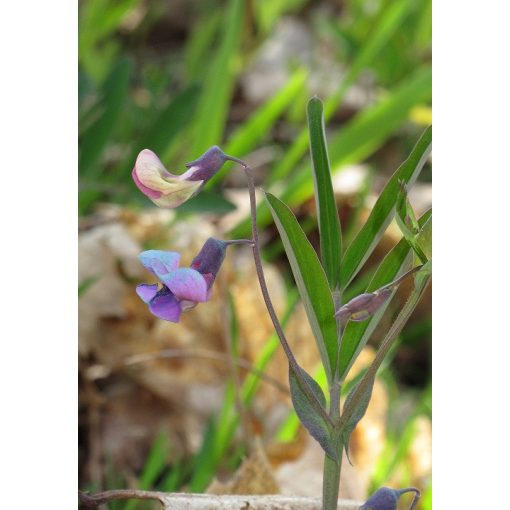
x=267, y=299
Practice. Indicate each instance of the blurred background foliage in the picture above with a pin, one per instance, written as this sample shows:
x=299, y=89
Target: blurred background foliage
x=178, y=76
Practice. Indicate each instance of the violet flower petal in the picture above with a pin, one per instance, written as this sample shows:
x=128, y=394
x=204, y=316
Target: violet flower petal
x=165, y=306
x=186, y=284
x=146, y=292
x=160, y=262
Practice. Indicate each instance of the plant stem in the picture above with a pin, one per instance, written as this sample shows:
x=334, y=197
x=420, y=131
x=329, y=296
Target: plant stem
x=331, y=480
x=417, y=495
x=238, y=241
x=293, y=365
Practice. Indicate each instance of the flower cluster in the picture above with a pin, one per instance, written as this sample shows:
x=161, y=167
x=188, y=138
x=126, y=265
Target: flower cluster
x=182, y=288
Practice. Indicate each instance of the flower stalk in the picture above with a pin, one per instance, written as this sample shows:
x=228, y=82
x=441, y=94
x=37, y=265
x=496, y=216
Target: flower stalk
x=293, y=365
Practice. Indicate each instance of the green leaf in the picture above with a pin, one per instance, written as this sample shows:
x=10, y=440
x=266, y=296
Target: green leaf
x=358, y=413
x=310, y=419
x=311, y=282
x=405, y=213
x=357, y=334
x=371, y=232
x=329, y=222
x=113, y=96
x=359, y=393
x=289, y=428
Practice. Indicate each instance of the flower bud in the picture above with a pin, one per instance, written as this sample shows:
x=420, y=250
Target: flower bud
x=209, y=259
x=206, y=165
x=363, y=306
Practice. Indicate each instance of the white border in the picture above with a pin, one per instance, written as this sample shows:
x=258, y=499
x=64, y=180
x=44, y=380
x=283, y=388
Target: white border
x=471, y=233
x=38, y=211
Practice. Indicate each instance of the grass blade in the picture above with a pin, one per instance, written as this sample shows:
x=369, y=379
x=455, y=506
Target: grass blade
x=261, y=121
x=167, y=125
x=214, y=104
x=113, y=95
x=329, y=222
x=311, y=282
x=154, y=465
x=380, y=35
x=363, y=135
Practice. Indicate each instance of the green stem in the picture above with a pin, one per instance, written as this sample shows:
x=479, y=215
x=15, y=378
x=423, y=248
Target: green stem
x=331, y=480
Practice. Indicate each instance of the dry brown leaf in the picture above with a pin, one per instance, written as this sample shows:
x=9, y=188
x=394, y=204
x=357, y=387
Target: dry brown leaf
x=254, y=476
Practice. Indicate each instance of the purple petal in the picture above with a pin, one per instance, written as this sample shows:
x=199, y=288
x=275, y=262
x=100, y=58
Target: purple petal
x=146, y=292
x=166, y=307
x=160, y=262
x=186, y=284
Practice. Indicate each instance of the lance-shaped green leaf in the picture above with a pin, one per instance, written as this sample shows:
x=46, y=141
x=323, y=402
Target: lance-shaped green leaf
x=311, y=282
x=358, y=412
x=355, y=407
x=329, y=222
x=311, y=420
x=357, y=334
x=382, y=213
x=407, y=222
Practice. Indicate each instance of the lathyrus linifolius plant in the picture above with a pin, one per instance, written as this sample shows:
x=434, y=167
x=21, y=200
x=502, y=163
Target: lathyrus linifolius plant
x=341, y=329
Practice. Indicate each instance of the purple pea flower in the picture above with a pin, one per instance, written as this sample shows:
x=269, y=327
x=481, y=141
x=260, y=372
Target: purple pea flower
x=182, y=288
x=168, y=190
